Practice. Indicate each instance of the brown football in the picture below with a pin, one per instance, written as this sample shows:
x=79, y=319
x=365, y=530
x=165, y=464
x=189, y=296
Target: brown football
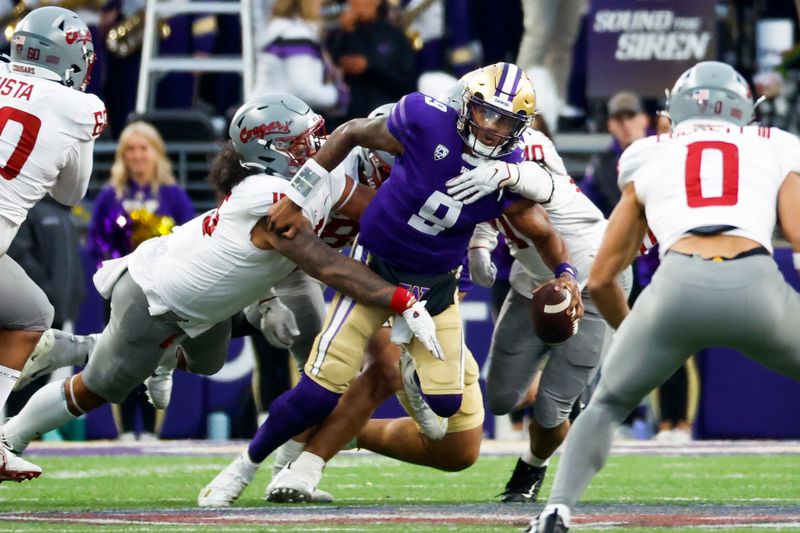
x=548, y=312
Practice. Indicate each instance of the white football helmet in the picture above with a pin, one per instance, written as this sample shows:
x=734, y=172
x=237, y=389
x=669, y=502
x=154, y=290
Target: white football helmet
x=55, y=39
x=276, y=133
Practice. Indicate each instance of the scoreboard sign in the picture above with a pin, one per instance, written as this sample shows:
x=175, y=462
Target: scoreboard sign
x=644, y=45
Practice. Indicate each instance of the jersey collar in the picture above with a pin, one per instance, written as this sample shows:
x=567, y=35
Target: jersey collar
x=701, y=123
x=26, y=69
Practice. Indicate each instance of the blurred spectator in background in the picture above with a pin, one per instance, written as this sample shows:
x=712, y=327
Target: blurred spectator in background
x=178, y=35
x=290, y=59
x=550, y=29
x=499, y=30
x=627, y=122
x=140, y=201
x=443, y=36
x=374, y=55
x=47, y=247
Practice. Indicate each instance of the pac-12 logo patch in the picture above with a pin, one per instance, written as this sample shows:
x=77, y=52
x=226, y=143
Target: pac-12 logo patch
x=440, y=152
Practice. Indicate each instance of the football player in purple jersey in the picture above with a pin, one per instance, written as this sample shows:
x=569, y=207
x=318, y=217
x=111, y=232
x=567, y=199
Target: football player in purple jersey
x=413, y=232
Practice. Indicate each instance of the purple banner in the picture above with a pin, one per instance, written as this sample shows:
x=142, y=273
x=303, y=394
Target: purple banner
x=644, y=45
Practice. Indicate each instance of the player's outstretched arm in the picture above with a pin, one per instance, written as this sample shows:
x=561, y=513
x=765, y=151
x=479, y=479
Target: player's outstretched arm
x=371, y=133
x=532, y=221
x=350, y=277
x=788, y=207
x=626, y=229
x=528, y=179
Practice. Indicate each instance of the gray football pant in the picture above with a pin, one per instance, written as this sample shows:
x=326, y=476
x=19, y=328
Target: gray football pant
x=133, y=343
x=515, y=355
x=690, y=305
x=23, y=305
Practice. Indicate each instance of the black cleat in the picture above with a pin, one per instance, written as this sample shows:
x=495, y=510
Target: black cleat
x=524, y=485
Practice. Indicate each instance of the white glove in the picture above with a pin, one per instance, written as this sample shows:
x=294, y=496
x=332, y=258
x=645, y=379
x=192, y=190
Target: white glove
x=481, y=269
x=473, y=185
x=278, y=323
x=421, y=323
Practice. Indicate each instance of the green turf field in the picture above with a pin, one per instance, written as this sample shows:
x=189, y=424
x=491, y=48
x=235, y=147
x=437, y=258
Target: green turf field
x=150, y=483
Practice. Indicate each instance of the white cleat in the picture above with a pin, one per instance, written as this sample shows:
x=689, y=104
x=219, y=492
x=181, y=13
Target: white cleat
x=431, y=424
x=296, y=485
x=13, y=468
x=49, y=355
x=554, y=518
x=229, y=484
x=158, y=387
x=321, y=496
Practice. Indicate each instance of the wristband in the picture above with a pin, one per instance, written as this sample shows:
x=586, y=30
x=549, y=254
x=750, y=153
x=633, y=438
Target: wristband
x=566, y=268
x=402, y=300
x=796, y=260
x=306, y=181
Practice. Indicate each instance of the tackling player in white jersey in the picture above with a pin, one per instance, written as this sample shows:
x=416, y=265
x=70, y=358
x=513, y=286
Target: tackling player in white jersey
x=710, y=192
x=183, y=288
x=516, y=351
x=48, y=126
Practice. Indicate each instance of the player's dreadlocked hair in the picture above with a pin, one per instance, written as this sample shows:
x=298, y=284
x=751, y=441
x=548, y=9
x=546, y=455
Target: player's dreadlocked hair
x=227, y=171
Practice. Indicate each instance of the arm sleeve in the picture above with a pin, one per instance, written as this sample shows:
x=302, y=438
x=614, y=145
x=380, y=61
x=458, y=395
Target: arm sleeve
x=73, y=180
x=484, y=236
x=535, y=182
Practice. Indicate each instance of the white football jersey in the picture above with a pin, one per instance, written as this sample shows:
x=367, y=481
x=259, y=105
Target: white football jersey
x=710, y=174
x=41, y=124
x=208, y=269
x=572, y=214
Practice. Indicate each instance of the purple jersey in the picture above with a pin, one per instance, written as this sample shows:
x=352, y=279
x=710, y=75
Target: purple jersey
x=412, y=223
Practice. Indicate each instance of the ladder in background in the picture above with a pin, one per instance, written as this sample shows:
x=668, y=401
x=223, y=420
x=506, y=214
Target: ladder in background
x=152, y=65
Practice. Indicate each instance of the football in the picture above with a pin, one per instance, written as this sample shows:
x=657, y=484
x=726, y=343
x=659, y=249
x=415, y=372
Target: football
x=550, y=322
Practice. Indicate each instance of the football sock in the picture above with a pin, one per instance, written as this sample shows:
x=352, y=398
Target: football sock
x=45, y=411
x=444, y=405
x=291, y=413
x=8, y=378
x=249, y=466
x=288, y=452
x=528, y=458
x=309, y=462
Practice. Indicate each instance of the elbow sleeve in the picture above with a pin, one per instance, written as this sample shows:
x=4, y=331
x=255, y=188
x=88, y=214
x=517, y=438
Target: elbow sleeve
x=535, y=182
